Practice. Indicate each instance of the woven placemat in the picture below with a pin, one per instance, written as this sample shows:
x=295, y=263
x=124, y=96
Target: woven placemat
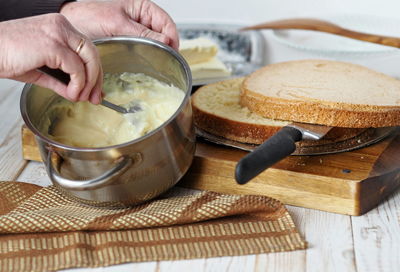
x=42, y=230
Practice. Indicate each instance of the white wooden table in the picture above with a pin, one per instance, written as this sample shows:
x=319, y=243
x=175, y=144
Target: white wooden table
x=336, y=242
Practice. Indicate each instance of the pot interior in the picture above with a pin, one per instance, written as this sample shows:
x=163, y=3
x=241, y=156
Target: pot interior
x=118, y=55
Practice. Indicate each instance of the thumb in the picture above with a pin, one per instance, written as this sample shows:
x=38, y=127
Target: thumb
x=136, y=29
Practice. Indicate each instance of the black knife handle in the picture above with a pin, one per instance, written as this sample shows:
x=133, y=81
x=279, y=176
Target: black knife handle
x=277, y=147
x=56, y=73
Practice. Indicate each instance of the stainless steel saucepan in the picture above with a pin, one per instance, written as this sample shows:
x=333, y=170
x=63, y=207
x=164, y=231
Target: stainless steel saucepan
x=131, y=172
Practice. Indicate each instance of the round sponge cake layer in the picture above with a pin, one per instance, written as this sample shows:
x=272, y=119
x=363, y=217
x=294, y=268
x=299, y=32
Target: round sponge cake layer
x=323, y=92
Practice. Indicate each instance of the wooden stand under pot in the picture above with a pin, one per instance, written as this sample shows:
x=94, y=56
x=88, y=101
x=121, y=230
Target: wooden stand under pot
x=347, y=183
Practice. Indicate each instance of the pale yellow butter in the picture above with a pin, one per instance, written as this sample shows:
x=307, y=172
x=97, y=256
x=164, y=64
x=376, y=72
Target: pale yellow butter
x=198, y=50
x=83, y=124
x=201, y=55
x=210, y=69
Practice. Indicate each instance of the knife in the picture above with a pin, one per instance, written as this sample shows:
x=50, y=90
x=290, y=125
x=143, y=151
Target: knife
x=275, y=148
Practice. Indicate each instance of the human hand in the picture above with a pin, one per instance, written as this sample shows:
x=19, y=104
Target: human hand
x=50, y=40
x=142, y=18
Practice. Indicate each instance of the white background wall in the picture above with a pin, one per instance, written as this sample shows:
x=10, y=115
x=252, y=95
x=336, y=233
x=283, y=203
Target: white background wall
x=253, y=11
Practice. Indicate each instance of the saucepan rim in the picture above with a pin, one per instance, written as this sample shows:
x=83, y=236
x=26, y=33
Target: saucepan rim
x=151, y=42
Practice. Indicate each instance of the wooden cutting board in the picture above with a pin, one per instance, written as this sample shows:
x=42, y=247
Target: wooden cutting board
x=347, y=183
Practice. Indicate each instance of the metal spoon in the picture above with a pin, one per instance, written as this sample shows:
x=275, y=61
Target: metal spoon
x=65, y=78
x=324, y=26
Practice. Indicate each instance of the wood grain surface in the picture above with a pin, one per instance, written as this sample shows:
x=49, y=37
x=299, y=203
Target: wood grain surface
x=347, y=183
x=327, y=27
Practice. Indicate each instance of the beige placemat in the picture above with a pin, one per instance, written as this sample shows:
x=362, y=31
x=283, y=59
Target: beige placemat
x=42, y=230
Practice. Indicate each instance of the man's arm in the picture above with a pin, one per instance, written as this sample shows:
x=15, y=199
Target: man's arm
x=14, y=9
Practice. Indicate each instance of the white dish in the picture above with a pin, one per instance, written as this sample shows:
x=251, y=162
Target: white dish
x=242, y=52
x=333, y=45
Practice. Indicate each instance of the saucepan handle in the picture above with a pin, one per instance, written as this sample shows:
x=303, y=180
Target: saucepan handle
x=120, y=167
x=277, y=147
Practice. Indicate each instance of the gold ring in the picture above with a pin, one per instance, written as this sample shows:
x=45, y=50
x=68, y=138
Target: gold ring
x=80, y=45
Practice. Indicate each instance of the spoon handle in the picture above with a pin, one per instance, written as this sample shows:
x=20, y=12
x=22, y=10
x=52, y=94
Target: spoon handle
x=56, y=73
x=112, y=106
x=324, y=26
x=65, y=78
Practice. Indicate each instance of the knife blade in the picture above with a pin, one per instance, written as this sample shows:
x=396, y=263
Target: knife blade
x=276, y=148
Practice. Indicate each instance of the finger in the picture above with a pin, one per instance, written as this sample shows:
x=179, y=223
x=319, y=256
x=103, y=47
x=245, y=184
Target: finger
x=156, y=19
x=43, y=80
x=87, y=51
x=135, y=28
x=97, y=94
x=172, y=33
x=73, y=65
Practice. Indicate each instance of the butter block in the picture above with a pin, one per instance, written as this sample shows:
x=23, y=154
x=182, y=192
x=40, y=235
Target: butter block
x=198, y=50
x=212, y=68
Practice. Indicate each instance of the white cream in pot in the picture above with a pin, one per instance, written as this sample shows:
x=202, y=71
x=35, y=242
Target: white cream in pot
x=83, y=124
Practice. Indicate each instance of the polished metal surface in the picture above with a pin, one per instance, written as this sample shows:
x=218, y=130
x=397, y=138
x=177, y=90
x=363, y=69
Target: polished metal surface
x=310, y=131
x=135, y=171
x=368, y=137
x=117, y=108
